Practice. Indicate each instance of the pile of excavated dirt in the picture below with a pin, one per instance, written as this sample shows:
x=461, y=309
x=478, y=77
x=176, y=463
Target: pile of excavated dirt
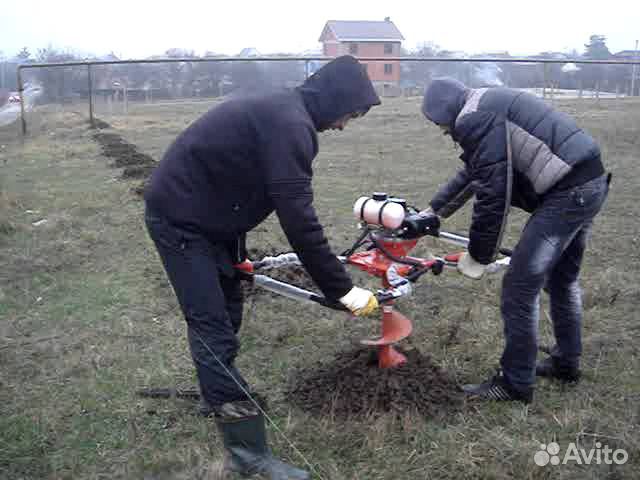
x=351, y=385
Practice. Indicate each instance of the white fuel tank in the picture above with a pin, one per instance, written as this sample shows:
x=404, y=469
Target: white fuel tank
x=380, y=210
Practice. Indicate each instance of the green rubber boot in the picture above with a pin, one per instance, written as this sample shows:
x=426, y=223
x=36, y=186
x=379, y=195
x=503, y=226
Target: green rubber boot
x=245, y=441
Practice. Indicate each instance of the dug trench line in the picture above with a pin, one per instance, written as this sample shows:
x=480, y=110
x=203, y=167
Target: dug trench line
x=135, y=164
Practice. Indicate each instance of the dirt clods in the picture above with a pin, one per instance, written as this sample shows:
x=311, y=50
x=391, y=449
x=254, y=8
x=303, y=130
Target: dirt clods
x=97, y=123
x=292, y=274
x=352, y=385
x=125, y=155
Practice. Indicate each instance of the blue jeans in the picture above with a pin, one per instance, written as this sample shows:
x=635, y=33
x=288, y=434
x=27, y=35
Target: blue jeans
x=549, y=255
x=210, y=297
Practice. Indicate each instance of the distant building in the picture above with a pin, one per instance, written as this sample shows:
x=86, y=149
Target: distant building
x=366, y=39
x=627, y=55
x=249, y=52
x=109, y=57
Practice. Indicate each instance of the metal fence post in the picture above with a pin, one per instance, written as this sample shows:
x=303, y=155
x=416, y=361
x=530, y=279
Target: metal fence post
x=633, y=71
x=580, y=88
x=21, y=93
x=125, y=97
x=90, y=85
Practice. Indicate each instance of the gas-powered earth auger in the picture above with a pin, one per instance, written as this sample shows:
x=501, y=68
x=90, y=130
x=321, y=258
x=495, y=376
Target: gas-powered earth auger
x=390, y=230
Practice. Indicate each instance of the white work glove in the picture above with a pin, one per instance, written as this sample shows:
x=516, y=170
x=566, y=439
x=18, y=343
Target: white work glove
x=469, y=267
x=360, y=301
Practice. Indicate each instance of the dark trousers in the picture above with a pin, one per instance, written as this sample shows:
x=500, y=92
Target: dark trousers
x=549, y=255
x=210, y=296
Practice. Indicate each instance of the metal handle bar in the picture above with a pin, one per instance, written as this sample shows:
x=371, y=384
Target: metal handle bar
x=383, y=296
x=459, y=240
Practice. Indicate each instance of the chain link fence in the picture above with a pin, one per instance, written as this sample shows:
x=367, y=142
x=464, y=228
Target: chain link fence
x=117, y=89
x=147, y=104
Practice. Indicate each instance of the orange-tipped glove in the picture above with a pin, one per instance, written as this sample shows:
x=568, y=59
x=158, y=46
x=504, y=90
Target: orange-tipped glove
x=360, y=301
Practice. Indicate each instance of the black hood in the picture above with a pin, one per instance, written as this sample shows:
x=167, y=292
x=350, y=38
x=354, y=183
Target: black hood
x=443, y=100
x=340, y=87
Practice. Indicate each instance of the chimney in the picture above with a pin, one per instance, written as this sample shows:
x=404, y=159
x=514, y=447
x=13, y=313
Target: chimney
x=387, y=19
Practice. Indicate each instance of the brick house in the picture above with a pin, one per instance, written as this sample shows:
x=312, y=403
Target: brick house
x=366, y=39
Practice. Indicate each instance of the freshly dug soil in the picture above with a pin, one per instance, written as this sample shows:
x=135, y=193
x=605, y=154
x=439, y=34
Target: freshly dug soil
x=293, y=274
x=136, y=165
x=124, y=153
x=138, y=171
x=99, y=124
x=352, y=385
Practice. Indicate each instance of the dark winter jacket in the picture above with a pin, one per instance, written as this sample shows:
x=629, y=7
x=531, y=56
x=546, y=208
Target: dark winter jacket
x=516, y=149
x=251, y=156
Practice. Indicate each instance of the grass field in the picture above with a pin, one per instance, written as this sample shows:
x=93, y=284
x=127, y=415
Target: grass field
x=87, y=317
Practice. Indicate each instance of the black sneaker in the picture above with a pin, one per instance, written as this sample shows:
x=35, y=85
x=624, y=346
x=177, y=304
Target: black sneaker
x=205, y=408
x=499, y=389
x=551, y=367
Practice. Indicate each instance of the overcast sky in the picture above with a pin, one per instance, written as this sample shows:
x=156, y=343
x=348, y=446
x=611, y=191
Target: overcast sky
x=137, y=29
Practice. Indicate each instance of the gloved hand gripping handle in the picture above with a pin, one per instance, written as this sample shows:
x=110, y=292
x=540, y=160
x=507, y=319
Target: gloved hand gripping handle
x=300, y=294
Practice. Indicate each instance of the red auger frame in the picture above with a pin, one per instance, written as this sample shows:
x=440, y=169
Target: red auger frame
x=386, y=256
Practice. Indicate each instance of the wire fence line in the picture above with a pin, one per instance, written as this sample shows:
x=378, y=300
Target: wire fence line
x=106, y=86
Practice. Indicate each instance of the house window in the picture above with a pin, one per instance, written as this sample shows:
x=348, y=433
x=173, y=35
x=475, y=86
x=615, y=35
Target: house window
x=353, y=48
x=388, y=48
x=388, y=68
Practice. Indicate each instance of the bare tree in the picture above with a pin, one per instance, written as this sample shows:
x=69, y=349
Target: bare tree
x=420, y=73
x=59, y=82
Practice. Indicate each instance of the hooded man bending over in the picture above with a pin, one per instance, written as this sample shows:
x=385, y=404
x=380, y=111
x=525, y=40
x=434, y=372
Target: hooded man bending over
x=519, y=151
x=221, y=177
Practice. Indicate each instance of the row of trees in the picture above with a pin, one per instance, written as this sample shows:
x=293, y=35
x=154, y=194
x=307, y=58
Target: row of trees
x=527, y=75
x=216, y=78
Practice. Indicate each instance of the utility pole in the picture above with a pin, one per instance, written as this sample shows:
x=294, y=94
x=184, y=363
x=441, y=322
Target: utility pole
x=633, y=72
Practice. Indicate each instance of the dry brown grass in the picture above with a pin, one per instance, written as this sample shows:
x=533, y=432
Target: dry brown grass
x=88, y=317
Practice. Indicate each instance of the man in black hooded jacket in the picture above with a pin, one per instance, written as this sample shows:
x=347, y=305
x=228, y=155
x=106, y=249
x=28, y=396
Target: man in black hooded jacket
x=519, y=151
x=219, y=179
